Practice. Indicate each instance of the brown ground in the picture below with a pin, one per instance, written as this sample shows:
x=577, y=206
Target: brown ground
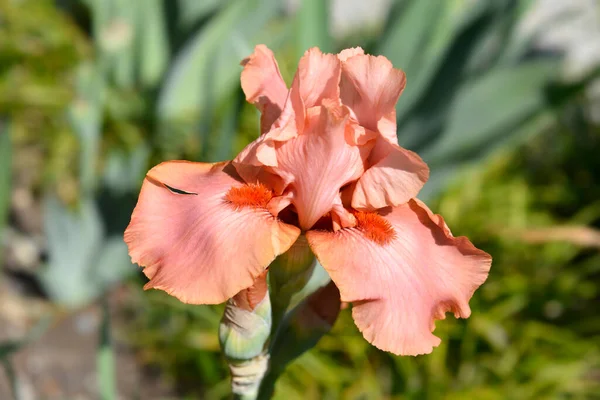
x=61, y=364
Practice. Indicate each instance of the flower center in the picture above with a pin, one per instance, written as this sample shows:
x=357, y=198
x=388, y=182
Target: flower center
x=375, y=227
x=251, y=195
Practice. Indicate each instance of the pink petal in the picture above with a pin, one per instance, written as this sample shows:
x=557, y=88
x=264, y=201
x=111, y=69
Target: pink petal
x=317, y=79
x=263, y=85
x=319, y=162
x=258, y=153
x=371, y=86
x=347, y=53
x=358, y=135
x=402, y=269
x=396, y=178
x=201, y=234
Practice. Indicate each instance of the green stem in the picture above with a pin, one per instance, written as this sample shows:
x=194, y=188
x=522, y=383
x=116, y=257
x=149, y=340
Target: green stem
x=105, y=358
x=247, y=375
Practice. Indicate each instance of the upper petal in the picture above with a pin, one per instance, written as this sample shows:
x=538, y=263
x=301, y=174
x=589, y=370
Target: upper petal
x=394, y=179
x=371, y=86
x=248, y=299
x=263, y=85
x=319, y=162
x=402, y=270
x=201, y=234
x=316, y=79
x=351, y=52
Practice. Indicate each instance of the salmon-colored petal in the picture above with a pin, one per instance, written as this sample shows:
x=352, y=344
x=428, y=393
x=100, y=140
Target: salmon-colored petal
x=263, y=85
x=358, y=135
x=403, y=270
x=394, y=179
x=370, y=86
x=258, y=153
x=319, y=162
x=347, y=53
x=202, y=234
x=317, y=78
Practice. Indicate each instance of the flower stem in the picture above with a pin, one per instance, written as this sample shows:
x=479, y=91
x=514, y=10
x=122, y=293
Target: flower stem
x=247, y=375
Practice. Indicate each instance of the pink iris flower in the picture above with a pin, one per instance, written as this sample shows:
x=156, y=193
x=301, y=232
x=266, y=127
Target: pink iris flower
x=327, y=166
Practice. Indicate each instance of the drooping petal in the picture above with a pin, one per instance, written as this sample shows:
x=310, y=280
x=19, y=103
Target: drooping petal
x=393, y=180
x=263, y=85
x=371, y=86
x=319, y=162
x=202, y=234
x=402, y=269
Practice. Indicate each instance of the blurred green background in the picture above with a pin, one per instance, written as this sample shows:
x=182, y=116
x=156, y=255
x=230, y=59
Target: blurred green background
x=502, y=101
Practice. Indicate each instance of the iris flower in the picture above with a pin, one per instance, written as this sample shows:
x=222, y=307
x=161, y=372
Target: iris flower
x=327, y=169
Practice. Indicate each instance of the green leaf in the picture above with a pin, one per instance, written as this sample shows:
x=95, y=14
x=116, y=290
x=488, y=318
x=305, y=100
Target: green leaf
x=73, y=239
x=189, y=12
x=409, y=32
x=207, y=68
x=124, y=171
x=112, y=262
x=422, y=108
x=105, y=359
x=501, y=44
x=114, y=32
x=490, y=107
x=152, y=41
x=121, y=29
x=442, y=175
x=218, y=147
x=82, y=261
x=313, y=26
x=85, y=115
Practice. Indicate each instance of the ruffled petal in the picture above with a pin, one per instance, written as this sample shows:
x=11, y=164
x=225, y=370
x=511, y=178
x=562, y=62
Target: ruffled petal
x=202, y=234
x=402, y=269
x=263, y=85
x=351, y=52
x=319, y=162
x=317, y=79
x=371, y=86
x=394, y=179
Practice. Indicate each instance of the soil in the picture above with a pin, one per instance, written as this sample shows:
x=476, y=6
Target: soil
x=61, y=363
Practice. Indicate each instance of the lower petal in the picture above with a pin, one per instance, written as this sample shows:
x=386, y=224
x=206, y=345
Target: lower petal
x=402, y=269
x=201, y=233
